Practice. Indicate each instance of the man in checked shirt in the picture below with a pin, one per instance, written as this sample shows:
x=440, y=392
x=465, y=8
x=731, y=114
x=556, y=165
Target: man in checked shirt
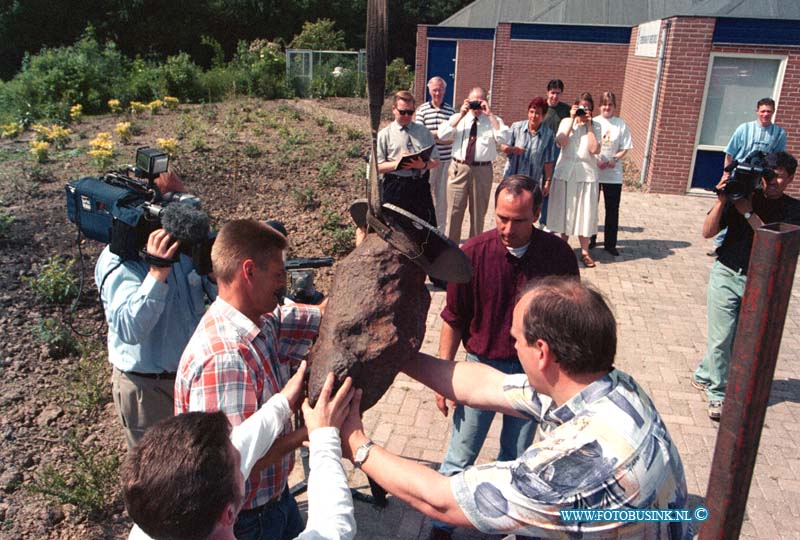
x=241, y=354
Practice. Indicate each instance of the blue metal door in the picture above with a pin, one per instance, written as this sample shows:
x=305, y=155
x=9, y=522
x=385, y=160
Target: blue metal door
x=707, y=168
x=442, y=62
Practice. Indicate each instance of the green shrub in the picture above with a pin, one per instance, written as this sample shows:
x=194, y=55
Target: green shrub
x=251, y=150
x=305, y=198
x=327, y=171
x=93, y=481
x=347, y=84
x=88, y=389
x=218, y=83
x=56, y=282
x=142, y=83
x=261, y=69
x=54, y=79
x=398, y=76
x=354, y=151
x=6, y=220
x=57, y=337
x=181, y=78
x=354, y=134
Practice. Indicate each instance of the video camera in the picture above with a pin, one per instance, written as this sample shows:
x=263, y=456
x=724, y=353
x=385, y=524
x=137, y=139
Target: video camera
x=122, y=211
x=745, y=177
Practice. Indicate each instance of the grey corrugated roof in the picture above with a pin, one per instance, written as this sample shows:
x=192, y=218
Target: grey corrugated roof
x=487, y=13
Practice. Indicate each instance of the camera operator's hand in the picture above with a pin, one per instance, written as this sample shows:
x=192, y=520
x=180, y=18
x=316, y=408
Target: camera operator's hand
x=485, y=107
x=464, y=107
x=161, y=245
x=573, y=110
x=720, y=188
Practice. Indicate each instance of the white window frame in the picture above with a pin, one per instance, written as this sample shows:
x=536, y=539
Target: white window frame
x=775, y=92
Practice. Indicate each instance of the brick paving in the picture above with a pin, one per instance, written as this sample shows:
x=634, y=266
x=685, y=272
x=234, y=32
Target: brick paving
x=657, y=291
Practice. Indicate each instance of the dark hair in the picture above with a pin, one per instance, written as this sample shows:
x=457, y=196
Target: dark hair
x=585, y=96
x=178, y=479
x=538, y=103
x=608, y=98
x=555, y=84
x=766, y=101
x=516, y=184
x=242, y=239
x=784, y=160
x=575, y=322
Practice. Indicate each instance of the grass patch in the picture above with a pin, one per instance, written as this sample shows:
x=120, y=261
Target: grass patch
x=305, y=199
x=56, y=337
x=56, y=283
x=93, y=481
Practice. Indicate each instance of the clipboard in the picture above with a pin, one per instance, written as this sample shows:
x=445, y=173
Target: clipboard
x=425, y=154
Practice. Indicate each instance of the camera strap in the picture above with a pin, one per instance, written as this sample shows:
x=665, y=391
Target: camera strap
x=152, y=260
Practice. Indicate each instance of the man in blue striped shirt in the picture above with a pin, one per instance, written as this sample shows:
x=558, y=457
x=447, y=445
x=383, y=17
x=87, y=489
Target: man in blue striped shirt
x=759, y=135
x=430, y=114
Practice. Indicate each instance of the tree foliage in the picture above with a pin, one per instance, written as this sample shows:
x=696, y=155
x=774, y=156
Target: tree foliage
x=157, y=30
x=320, y=35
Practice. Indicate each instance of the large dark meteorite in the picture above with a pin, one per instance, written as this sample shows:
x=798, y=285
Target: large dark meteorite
x=374, y=322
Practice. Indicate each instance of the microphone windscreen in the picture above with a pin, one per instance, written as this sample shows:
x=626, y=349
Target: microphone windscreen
x=186, y=223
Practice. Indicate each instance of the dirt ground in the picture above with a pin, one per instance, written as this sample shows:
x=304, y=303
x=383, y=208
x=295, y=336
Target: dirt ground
x=300, y=162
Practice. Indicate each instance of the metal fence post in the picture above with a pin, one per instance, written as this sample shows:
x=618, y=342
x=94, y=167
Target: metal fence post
x=770, y=275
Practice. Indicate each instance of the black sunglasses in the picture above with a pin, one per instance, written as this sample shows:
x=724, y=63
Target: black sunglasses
x=405, y=113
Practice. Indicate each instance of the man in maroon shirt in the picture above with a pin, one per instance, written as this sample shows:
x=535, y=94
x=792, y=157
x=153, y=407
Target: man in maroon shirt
x=479, y=314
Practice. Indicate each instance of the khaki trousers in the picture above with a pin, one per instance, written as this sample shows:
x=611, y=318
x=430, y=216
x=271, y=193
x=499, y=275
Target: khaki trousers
x=438, y=180
x=141, y=402
x=467, y=186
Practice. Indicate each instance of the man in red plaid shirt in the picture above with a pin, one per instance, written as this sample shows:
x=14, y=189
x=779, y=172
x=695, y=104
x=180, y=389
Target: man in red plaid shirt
x=241, y=354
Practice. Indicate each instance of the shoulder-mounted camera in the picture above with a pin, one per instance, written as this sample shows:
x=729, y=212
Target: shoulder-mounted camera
x=122, y=210
x=745, y=177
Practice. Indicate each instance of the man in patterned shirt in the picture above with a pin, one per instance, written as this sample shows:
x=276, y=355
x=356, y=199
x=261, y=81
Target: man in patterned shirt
x=242, y=354
x=602, y=444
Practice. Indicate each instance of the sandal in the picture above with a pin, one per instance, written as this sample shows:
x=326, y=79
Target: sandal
x=587, y=260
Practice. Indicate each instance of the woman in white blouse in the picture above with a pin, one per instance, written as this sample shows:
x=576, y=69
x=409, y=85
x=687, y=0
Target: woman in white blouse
x=574, y=191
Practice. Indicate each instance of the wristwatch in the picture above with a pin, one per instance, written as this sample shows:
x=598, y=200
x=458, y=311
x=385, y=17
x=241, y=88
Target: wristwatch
x=747, y=215
x=362, y=454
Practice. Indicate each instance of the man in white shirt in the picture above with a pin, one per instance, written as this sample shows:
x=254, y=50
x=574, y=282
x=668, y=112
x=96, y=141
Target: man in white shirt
x=185, y=478
x=475, y=132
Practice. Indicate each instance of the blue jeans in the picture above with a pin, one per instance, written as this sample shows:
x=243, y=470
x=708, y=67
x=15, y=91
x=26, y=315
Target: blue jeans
x=725, y=291
x=279, y=520
x=470, y=427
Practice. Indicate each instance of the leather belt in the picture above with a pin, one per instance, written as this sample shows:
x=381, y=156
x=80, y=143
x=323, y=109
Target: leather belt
x=422, y=176
x=473, y=164
x=156, y=376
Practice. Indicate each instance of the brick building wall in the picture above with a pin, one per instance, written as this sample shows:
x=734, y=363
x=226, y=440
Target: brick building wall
x=640, y=79
x=473, y=68
x=524, y=67
x=678, y=110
